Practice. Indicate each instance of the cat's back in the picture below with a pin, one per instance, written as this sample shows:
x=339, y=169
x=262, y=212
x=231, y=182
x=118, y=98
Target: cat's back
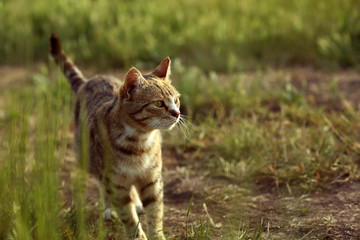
x=97, y=91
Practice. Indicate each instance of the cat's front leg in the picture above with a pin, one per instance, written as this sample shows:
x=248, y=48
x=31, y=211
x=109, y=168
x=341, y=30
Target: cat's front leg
x=151, y=194
x=125, y=208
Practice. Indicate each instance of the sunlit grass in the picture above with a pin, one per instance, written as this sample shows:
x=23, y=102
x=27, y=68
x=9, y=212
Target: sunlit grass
x=33, y=144
x=266, y=128
x=215, y=35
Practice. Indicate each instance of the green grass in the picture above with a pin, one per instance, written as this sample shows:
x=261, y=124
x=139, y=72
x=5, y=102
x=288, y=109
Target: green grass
x=214, y=35
x=31, y=156
x=34, y=128
x=265, y=128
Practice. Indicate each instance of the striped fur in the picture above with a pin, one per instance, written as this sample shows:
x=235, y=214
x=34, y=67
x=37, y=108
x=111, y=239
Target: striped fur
x=119, y=122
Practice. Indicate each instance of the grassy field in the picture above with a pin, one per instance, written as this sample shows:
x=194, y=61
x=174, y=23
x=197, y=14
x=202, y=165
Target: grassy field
x=212, y=34
x=245, y=127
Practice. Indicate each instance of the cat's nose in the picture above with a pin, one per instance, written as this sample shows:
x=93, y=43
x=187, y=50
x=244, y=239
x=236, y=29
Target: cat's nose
x=174, y=113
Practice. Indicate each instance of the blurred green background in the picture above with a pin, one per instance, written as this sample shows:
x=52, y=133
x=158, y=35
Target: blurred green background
x=212, y=34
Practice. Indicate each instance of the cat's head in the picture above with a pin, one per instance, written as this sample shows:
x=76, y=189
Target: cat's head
x=150, y=100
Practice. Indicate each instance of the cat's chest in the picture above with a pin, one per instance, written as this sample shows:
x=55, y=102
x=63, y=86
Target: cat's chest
x=135, y=154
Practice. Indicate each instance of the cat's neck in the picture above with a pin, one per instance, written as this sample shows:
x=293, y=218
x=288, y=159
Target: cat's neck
x=133, y=135
x=126, y=138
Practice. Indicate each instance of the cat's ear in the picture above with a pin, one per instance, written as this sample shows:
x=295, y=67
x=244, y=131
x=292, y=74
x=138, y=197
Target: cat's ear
x=163, y=70
x=133, y=78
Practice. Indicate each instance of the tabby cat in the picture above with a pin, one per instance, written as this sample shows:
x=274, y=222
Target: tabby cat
x=122, y=122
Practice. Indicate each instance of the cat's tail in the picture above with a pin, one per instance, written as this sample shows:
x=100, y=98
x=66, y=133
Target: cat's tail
x=72, y=73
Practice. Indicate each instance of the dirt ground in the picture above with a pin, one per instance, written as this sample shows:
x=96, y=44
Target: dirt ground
x=330, y=213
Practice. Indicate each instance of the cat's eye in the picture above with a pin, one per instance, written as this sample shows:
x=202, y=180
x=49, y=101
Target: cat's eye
x=159, y=103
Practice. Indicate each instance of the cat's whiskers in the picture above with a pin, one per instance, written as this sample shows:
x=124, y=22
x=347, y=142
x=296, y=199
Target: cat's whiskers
x=185, y=126
x=162, y=125
x=151, y=126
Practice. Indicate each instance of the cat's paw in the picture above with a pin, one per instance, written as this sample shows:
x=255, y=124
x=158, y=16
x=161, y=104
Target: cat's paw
x=161, y=236
x=139, y=209
x=139, y=236
x=158, y=236
x=109, y=214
